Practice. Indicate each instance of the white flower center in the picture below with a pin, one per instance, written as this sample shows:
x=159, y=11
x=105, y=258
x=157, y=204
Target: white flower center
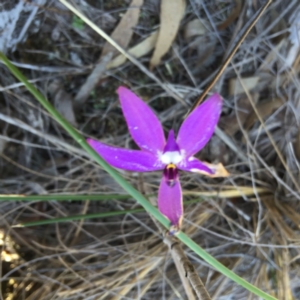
x=169, y=157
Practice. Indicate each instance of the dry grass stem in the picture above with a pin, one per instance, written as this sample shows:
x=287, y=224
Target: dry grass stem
x=187, y=268
x=230, y=56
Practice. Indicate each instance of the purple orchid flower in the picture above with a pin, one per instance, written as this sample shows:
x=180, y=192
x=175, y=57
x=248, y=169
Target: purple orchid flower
x=158, y=154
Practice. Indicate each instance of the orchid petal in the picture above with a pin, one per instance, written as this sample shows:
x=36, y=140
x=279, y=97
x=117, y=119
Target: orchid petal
x=130, y=160
x=170, y=201
x=199, y=126
x=143, y=124
x=196, y=166
x=171, y=144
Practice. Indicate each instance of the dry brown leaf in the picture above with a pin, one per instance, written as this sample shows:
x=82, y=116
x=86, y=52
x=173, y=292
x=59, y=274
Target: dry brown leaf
x=217, y=151
x=206, y=45
x=137, y=51
x=195, y=32
x=233, y=15
x=278, y=27
x=194, y=28
x=63, y=102
x=294, y=40
x=122, y=35
x=235, y=86
x=264, y=109
x=219, y=170
x=231, y=123
x=171, y=13
x=240, y=191
x=123, y=32
x=270, y=58
x=258, y=82
x=92, y=80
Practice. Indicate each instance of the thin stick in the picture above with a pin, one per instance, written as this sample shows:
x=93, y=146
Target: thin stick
x=189, y=270
x=230, y=56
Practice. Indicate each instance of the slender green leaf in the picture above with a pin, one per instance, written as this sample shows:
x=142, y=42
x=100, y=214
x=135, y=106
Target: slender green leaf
x=91, y=216
x=62, y=197
x=80, y=217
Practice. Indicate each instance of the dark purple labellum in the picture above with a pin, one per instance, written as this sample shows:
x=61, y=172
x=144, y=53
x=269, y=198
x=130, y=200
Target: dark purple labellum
x=170, y=174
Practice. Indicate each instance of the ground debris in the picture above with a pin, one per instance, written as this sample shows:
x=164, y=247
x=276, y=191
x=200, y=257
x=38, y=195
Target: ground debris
x=249, y=221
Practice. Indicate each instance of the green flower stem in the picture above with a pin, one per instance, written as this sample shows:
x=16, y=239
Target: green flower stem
x=127, y=187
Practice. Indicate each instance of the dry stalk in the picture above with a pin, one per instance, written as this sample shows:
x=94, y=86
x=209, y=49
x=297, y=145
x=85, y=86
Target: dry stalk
x=228, y=59
x=186, y=266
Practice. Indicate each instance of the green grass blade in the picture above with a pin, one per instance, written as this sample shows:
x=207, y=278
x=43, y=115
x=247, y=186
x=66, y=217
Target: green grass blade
x=80, y=217
x=126, y=186
x=90, y=216
x=63, y=197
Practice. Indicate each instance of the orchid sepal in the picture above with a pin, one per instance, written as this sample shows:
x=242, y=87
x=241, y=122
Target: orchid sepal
x=126, y=159
x=149, y=135
x=199, y=126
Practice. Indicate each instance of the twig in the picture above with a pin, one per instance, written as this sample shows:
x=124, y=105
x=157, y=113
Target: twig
x=230, y=56
x=189, y=270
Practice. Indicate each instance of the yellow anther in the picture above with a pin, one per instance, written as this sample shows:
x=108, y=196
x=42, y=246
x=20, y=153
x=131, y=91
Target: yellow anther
x=171, y=166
